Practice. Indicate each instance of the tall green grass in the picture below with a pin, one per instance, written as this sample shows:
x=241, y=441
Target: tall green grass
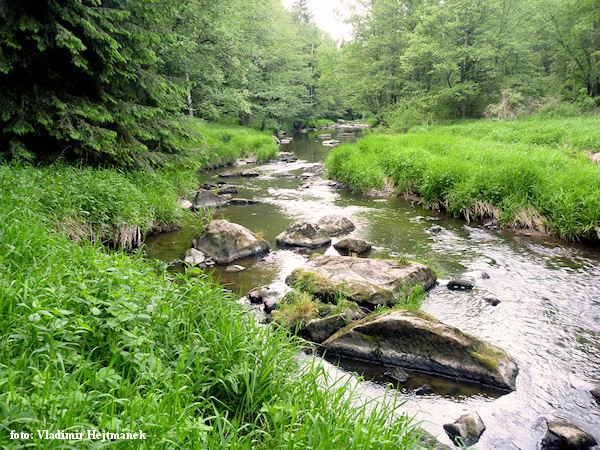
x=91, y=339
x=529, y=173
x=214, y=143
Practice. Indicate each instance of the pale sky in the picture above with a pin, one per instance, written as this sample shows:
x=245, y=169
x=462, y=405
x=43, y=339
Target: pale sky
x=329, y=16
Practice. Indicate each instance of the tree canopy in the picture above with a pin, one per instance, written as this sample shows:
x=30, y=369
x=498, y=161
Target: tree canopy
x=104, y=80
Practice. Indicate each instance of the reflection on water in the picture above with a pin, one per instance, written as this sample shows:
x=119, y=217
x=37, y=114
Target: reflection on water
x=548, y=318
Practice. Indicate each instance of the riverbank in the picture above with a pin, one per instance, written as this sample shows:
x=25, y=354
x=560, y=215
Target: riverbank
x=101, y=339
x=518, y=174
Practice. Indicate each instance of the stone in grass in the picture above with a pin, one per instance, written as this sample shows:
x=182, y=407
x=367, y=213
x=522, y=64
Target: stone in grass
x=226, y=242
x=185, y=204
x=460, y=285
x=564, y=435
x=249, y=174
x=466, y=430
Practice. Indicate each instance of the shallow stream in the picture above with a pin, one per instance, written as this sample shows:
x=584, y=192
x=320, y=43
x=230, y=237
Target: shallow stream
x=548, y=318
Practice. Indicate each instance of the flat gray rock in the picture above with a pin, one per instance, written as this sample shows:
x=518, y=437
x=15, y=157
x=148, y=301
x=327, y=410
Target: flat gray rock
x=206, y=199
x=194, y=257
x=415, y=340
x=368, y=282
x=303, y=234
x=334, y=225
x=226, y=242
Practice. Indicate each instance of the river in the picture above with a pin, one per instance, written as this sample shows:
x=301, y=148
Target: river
x=548, y=318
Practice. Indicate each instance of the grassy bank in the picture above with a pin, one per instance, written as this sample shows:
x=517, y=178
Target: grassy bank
x=213, y=144
x=95, y=339
x=531, y=173
x=120, y=207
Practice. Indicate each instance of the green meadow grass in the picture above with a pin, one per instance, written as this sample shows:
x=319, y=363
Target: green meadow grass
x=99, y=339
x=215, y=143
x=530, y=173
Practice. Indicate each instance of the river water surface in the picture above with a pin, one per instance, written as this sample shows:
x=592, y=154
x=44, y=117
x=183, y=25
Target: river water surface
x=548, y=319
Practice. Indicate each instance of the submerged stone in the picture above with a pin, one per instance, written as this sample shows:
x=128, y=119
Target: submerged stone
x=418, y=341
x=460, y=285
x=226, y=242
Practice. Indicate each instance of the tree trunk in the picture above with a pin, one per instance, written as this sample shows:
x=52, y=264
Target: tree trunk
x=189, y=95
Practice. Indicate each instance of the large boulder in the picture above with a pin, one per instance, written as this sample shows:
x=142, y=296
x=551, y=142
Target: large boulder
x=352, y=246
x=368, y=282
x=466, y=430
x=206, y=199
x=303, y=234
x=226, y=242
x=334, y=225
x=418, y=341
x=564, y=435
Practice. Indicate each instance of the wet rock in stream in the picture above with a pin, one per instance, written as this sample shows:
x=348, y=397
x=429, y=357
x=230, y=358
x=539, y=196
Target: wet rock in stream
x=226, y=242
x=368, y=282
x=415, y=340
x=228, y=189
x=596, y=394
x=352, y=246
x=564, y=435
x=460, y=285
x=466, y=430
x=206, y=199
x=303, y=234
x=195, y=257
x=334, y=225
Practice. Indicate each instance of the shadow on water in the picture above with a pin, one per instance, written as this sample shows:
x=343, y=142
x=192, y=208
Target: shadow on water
x=548, y=318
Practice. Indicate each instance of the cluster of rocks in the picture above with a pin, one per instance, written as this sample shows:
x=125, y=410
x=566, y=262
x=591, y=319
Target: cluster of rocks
x=400, y=339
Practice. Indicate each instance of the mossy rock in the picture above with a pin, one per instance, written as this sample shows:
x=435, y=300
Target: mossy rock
x=418, y=341
x=368, y=282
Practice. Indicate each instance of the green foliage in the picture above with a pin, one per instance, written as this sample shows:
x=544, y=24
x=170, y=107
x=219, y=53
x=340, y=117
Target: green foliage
x=79, y=80
x=529, y=173
x=214, y=143
x=295, y=309
x=109, y=341
x=412, y=62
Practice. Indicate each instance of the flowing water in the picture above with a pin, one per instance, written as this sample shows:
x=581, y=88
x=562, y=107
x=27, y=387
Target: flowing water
x=548, y=319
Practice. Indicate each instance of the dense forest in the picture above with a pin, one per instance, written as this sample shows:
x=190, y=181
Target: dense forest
x=105, y=80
